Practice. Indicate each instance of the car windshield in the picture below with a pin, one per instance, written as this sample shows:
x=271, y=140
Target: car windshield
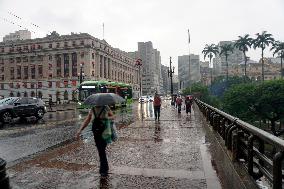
x=8, y=100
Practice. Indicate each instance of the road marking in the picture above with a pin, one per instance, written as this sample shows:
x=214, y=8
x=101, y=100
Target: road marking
x=147, y=172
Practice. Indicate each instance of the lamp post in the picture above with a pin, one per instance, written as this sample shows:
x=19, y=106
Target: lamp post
x=170, y=75
x=139, y=64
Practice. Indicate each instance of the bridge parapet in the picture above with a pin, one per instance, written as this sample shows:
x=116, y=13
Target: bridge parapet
x=260, y=152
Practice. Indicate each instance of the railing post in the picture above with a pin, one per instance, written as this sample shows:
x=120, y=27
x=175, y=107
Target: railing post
x=250, y=154
x=277, y=170
x=4, y=179
x=229, y=138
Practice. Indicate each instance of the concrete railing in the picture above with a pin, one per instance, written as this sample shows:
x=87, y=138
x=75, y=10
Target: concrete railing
x=259, y=151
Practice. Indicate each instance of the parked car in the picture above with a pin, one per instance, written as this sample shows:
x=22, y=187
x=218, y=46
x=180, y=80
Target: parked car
x=14, y=107
x=143, y=99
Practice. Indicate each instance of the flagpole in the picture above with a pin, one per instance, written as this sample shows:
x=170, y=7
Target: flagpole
x=189, y=78
x=103, y=30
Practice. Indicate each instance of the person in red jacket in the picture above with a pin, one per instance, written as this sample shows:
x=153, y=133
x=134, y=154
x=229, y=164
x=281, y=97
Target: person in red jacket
x=157, y=106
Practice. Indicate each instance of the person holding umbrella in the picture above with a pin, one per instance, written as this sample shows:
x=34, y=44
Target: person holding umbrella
x=101, y=115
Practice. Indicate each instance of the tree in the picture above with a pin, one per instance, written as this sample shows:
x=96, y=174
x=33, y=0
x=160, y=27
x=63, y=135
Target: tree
x=209, y=51
x=251, y=102
x=269, y=103
x=243, y=43
x=226, y=50
x=278, y=48
x=237, y=101
x=262, y=41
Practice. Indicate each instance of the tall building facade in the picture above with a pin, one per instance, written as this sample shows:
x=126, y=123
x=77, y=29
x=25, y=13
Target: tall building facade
x=220, y=66
x=165, y=80
x=50, y=66
x=151, y=67
x=186, y=78
x=18, y=35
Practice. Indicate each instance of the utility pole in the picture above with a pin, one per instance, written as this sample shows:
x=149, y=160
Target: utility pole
x=170, y=74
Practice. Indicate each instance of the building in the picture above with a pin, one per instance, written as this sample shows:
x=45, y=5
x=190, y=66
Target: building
x=185, y=78
x=51, y=66
x=220, y=65
x=151, y=67
x=254, y=70
x=18, y=35
x=165, y=79
x=205, y=72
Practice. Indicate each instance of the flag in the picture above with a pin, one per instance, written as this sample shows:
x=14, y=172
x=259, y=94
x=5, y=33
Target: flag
x=188, y=36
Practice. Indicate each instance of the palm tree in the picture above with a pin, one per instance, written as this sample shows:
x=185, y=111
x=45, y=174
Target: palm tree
x=209, y=51
x=278, y=48
x=226, y=50
x=261, y=41
x=243, y=43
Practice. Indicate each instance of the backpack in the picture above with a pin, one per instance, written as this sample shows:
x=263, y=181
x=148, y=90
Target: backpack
x=98, y=124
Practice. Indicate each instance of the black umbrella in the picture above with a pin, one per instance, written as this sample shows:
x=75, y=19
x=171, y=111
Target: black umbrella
x=102, y=99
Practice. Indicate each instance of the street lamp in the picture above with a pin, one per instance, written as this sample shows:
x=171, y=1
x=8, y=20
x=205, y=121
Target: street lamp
x=139, y=64
x=81, y=74
x=170, y=75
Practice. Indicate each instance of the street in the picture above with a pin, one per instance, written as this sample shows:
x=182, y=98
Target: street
x=170, y=153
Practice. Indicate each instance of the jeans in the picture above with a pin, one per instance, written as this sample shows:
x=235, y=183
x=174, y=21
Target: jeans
x=101, y=146
x=157, y=112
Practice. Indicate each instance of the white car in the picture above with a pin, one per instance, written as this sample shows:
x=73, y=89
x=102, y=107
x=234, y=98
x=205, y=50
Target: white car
x=143, y=99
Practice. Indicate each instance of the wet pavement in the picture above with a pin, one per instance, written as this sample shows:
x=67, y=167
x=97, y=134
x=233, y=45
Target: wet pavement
x=172, y=153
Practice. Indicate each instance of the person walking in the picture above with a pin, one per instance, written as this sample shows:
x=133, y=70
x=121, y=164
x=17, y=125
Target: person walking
x=157, y=106
x=179, y=103
x=188, y=104
x=101, y=116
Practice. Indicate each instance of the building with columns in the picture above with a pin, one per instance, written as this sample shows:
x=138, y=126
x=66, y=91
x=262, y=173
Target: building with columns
x=50, y=66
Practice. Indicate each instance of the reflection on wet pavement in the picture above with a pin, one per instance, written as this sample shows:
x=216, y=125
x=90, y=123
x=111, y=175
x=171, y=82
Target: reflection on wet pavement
x=166, y=154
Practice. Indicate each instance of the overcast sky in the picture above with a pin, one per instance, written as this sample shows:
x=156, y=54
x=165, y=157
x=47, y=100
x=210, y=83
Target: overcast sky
x=164, y=22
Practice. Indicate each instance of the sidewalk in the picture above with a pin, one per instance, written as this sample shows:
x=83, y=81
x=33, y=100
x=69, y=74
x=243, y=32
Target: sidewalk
x=169, y=154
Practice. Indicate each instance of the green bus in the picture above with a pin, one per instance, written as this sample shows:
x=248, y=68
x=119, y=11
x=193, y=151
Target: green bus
x=88, y=88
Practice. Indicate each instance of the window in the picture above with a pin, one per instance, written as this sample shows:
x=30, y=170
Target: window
x=57, y=45
x=39, y=47
x=22, y=101
x=12, y=73
x=39, y=85
x=93, y=56
x=50, y=45
x=18, y=59
x=2, y=49
x=32, y=85
x=82, y=55
x=40, y=70
x=11, y=60
x=25, y=59
x=26, y=72
x=65, y=84
x=2, y=77
x=33, y=71
x=65, y=44
x=50, y=57
x=50, y=84
x=73, y=43
x=19, y=72
x=11, y=85
x=82, y=42
x=26, y=48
